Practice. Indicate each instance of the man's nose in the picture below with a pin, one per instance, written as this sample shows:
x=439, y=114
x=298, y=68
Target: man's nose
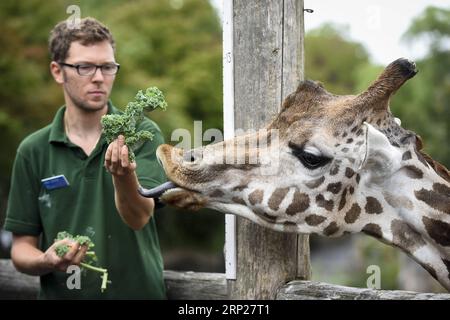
x=98, y=75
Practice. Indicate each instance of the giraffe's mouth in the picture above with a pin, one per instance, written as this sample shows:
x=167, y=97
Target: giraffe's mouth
x=156, y=192
x=172, y=194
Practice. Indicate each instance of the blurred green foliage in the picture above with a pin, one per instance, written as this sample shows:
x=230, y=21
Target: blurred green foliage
x=173, y=45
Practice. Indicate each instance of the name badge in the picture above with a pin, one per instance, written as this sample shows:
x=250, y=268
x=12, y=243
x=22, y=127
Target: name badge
x=55, y=182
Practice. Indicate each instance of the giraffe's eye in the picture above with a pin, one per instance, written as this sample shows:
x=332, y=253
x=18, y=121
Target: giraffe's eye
x=308, y=159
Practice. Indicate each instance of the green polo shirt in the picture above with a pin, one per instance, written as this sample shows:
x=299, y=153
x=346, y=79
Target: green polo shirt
x=86, y=207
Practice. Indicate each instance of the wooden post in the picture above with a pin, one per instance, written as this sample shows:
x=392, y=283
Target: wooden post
x=268, y=65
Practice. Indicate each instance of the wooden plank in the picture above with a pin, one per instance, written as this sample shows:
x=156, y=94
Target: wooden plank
x=268, y=64
x=309, y=290
x=212, y=286
x=179, y=285
x=16, y=285
x=293, y=73
x=195, y=285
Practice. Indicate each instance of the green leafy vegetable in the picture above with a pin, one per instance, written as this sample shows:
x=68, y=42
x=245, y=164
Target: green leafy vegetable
x=125, y=124
x=90, y=257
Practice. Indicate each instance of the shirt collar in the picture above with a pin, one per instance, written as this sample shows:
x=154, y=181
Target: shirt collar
x=57, y=132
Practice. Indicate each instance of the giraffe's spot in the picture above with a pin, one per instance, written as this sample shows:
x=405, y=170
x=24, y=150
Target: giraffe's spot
x=343, y=200
x=406, y=237
x=439, y=231
x=406, y=156
x=413, y=172
x=349, y=140
x=349, y=172
x=352, y=160
x=442, y=189
x=290, y=224
x=331, y=229
x=353, y=213
x=242, y=185
x=336, y=133
x=354, y=129
x=434, y=199
x=321, y=202
x=256, y=197
x=277, y=197
x=344, y=134
x=398, y=201
x=378, y=122
x=373, y=230
x=351, y=190
x=315, y=183
x=395, y=144
x=300, y=203
x=334, y=187
x=373, y=206
x=447, y=264
x=334, y=170
x=345, y=149
x=358, y=177
x=216, y=193
x=359, y=143
x=262, y=214
x=407, y=139
x=238, y=200
x=359, y=132
x=421, y=158
x=314, y=219
x=337, y=144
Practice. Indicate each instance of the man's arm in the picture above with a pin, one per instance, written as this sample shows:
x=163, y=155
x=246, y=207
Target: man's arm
x=27, y=258
x=134, y=209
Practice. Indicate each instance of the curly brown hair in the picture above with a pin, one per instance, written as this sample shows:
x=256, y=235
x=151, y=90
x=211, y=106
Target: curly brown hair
x=89, y=31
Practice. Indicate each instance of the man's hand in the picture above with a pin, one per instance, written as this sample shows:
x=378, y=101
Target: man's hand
x=116, y=158
x=74, y=256
x=134, y=209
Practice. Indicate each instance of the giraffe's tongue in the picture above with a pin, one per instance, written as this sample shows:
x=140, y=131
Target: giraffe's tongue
x=156, y=192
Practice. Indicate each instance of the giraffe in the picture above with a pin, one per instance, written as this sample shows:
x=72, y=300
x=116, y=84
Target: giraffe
x=344, y=165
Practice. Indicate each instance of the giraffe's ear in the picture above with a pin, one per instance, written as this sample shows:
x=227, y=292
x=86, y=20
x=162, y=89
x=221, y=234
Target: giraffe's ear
x=381, y=158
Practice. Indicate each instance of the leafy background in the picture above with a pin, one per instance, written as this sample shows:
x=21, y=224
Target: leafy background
x=176, y=45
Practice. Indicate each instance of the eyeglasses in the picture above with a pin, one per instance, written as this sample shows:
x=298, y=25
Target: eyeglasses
x=88, y=69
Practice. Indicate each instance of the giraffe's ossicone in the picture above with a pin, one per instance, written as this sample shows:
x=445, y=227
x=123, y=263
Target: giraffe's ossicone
x=330, y=165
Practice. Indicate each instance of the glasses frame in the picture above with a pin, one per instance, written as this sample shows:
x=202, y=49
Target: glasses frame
x=97, y=66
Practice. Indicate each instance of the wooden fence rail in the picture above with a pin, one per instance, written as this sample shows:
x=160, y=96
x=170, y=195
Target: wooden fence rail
x=213, y=286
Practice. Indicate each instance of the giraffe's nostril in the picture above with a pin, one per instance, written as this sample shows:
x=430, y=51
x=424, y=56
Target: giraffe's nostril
x=189, y=156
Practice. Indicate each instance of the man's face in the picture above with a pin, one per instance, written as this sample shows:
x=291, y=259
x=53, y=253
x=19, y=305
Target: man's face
x=89, y=93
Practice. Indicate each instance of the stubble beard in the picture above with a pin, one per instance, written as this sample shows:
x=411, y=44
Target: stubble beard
x=77, y=102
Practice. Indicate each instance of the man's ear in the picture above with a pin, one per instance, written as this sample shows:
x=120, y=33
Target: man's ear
x=57, y=72
x=382, y=159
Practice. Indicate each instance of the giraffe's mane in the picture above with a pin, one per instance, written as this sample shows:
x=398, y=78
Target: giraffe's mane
x=439, y=168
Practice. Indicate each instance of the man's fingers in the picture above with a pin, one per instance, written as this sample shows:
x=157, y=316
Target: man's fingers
x=79, y=255
x=114, y=156
x=108, y=155
x=72, y=251
x=120, y=141
x=124, y=157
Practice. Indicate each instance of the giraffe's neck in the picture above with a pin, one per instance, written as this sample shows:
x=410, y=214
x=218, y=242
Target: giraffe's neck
x=412, y=211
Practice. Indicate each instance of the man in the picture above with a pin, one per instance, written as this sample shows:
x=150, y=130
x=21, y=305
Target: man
x=100, y=198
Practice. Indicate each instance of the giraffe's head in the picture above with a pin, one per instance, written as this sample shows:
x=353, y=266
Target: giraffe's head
x=327, y=164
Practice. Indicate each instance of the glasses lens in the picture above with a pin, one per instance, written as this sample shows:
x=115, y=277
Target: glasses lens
x=109, y=69
x=86, y=69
